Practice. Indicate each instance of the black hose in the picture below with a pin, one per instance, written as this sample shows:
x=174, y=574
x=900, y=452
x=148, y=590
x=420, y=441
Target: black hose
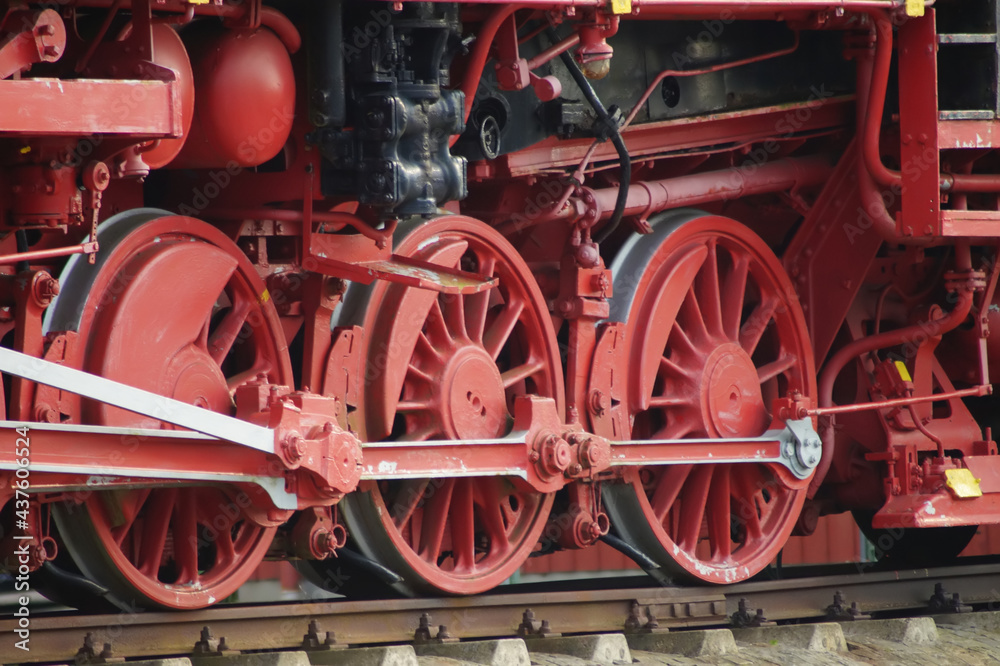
x=645, y=562
x=72, y=583
x=369, y=566
x=611, y=127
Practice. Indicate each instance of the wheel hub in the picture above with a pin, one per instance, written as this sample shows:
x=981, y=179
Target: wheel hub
x=474, y=404
x=192, y=376
x=731, y=399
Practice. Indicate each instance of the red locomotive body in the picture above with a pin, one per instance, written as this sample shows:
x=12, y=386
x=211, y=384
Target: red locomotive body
x=438, y=287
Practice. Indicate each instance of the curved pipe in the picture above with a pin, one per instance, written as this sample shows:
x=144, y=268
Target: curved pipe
x=872, y=124
x=649, y=197
x=871, y=197
x=879, y=85
x=849, y=352
x=282, y=27
x=480, y=53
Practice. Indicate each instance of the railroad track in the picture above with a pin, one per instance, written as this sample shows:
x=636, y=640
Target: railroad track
x=58, y=637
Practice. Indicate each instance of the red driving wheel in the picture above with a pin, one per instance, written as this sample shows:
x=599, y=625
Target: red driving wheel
x=173, y=307
x=442, y=366
x=715, y=334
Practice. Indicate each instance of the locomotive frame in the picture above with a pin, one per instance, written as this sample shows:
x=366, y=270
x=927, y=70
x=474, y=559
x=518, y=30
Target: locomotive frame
x=404, y=279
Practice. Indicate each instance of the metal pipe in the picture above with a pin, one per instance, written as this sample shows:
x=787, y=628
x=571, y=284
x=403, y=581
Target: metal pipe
x=851, y=351
x=648, y=197
x=553, y=51
x=978, y=391
x=653, y=196
x=578, y=175
x=925, y=432
x=283, y=28
x=707, y=70
x=35, y=255
x=480, y=52
x=872, y=124
x=872, y=203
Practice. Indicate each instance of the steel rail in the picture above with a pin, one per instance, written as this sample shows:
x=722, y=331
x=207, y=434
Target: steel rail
x=57, y=637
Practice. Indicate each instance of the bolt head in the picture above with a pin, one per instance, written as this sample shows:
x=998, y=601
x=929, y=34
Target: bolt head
x=294, y=448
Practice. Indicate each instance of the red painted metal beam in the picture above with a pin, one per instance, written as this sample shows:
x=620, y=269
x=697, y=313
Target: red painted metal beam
x=47, y=107
x=90, y=454
x=939, y=510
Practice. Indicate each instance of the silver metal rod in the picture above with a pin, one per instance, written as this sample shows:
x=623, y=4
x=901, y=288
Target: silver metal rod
x=137, y=400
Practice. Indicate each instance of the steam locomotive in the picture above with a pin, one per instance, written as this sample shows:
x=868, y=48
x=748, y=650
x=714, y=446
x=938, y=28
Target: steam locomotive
x=420, y=290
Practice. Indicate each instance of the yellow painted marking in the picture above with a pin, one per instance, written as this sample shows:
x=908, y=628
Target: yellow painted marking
x=623, y=6
x=962, y=483
x=265, y=296
x=903, y=372
x=914, y=7
x=25, y=150
x=198, y=2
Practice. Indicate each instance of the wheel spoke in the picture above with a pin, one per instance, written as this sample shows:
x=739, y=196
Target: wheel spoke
x=185, y=532
x=489, y=499
x=130, y=511
x=674, y=369
x=418, y=373
x=435, y=518
x=437, y=326
x=228, y=330
x=667, y=489
x=416, y=405
x=775, y=368
x=521, y=372
x=477, y=306
x=155, y=525
x=664, y=401
x=755, y=325
x=225, y=549
x=709, y=292
x=407, y=499
x=425, y=347
x=463, y=527
x=693, y=501
x=682, y=343
x=692, y=320
x=496, y=337
x=453, y=310
x=720, y=514
x=733, y=294
x=747, y=507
